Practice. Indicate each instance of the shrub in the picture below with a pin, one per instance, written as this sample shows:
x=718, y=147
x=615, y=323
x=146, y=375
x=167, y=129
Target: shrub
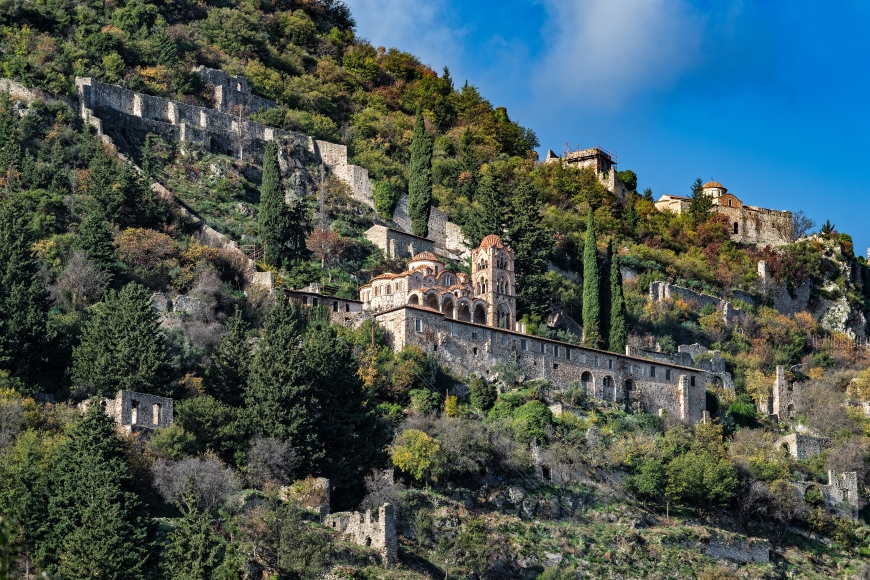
x=531, y=420
x=386, y=196
x=483, y=394
x=425, y=401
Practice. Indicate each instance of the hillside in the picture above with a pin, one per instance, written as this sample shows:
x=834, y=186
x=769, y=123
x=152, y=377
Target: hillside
x=133, y=259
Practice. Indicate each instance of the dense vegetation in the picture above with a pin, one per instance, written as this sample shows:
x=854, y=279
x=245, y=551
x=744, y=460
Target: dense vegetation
x=268, y=393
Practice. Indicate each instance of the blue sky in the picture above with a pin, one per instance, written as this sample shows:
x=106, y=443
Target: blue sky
x=768, y=97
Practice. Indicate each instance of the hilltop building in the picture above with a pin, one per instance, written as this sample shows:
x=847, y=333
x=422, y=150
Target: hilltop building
x=601, y=161
x=748, y=224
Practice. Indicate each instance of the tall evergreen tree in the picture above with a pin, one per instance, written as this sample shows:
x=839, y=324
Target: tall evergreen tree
x=194, y=550
x=591, y=282
x=280, y=400
x=282, y=227
x=618, y=332
x=420, y=183
x=630, y=216
x=228, y=374
x=23, y=298
x=167, y=52
x=96, y=240
x=532, y=244
x=122, y=347
x=469, y=165
x=700, y=204
x=94, y=525
x=490, y=218
x=10, y=146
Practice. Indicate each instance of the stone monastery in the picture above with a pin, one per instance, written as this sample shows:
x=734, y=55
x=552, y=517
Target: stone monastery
x=749, y=224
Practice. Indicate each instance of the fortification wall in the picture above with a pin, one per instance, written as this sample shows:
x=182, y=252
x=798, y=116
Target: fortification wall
x=466, y=348
x=446, y=235
x=758, y=226
x=133, y=115
x=396, y=244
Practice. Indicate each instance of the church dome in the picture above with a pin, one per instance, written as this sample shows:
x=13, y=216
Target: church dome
x=713, y=184
x=491, y=241
x=425, y=257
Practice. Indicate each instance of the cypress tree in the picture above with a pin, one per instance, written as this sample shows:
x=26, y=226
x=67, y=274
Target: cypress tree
x=700, y=204
x=122, y=347
x=93, y=527
x=231, y=363
x=532, y=244
x=420, y=183
x=591, y=281
x=96, y=240
x=273, y=214
x=469, y=165
x=618, y=332
x=194, y=550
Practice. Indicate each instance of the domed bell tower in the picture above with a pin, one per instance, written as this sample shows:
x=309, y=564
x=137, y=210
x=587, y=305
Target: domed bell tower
x=492, y=274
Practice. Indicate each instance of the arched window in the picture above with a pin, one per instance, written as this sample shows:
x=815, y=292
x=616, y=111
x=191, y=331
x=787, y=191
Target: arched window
x=736, y=228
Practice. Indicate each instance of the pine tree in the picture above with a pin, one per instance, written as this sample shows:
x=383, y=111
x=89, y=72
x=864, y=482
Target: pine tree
x=122, y=347
x=591, y=281
x=23, y=299
x=194, y=550
x=700, y=204
x=532, y=244
x=10, y=145
x=280, y=400
x=420, y=183
x=618, y=333
x=94, y=526
x=96, y=240
x=630, y=216
x=167, y=52
x=228, y=374
x=489, y=219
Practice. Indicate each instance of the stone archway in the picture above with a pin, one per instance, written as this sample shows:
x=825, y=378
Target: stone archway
x=588, y=383
x=504, y=317
x=464, y=313
x=447, y=306
x=479, y=314
x=432, y=302
x=414, y=299
x=608, y=390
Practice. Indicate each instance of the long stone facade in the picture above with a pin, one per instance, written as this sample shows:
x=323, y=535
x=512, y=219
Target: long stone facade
x=468, y=348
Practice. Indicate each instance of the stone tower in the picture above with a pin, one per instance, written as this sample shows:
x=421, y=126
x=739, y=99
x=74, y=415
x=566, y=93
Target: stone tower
x=492, y=273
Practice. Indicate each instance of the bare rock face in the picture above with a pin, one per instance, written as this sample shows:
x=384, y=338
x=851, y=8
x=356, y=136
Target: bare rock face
x=516, y=494
x=843, y=318
x=160, y=303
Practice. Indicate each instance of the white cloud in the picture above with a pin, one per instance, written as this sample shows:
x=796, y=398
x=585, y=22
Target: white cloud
x=603, y=52
x=416, y=26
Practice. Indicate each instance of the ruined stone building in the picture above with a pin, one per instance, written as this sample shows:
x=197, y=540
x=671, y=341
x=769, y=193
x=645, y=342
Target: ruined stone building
x=710, y=362
x=366, y=529
x=801, y=446
x=135, y=412
x=748, y=224
x=602, y=162
x=398, y=244
x=469, y=324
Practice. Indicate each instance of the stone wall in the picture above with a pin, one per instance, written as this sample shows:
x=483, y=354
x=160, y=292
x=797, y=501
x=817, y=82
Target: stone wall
x=366, y=530
x=802, y=446
x=841, y=494
x=398, y=244
x=466, y=348
x=757, y=226
x=783, y=398
x=128, y=113
x=134, y=411
x=447, y=236
x=659, y=291
x=341, y=310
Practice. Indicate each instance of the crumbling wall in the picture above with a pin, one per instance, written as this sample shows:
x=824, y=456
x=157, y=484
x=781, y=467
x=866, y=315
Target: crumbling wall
x=134, y=411
x=841, y=494
x=660, y=291
x=397, y=244
x=366, y=530
x=802, y=446
x=446, y=235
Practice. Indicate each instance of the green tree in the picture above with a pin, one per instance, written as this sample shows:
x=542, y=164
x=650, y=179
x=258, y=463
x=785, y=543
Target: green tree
x=629, y=179
x=96, y=240
x=167, y=51
x=94, y=525
x=700, y=204
x=469, y=165
x=228, y=374
x=532, y=244
x=618, y=332
x=417, y=454
x=23, y=299
x=700, y=478
x=194, y=550
x=214, y=426
x=483, y=394
x=648, y=194
x=420, y=182
x=591, y=283
x=10, y=144
x=283, y=228
x=122, y=347
x=490, y=218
